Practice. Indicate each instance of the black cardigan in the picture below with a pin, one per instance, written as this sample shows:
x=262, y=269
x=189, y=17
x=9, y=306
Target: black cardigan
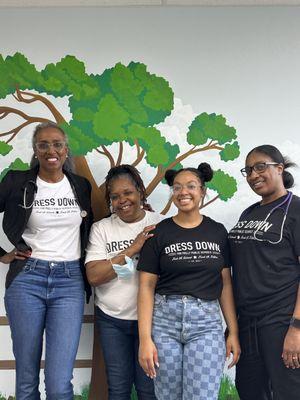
x=16, y=217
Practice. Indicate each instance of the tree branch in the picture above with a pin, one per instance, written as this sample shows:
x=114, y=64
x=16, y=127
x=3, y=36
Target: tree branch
x=210, y=201
x=139, y=154
x=155, y=181
x=167, y=207
x=119, y=159
x=106, y=153
x=37, y=97
x=5, y=111
x=194, y=150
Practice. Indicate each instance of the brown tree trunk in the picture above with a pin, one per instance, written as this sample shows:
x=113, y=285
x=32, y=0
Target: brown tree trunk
x=98, y=385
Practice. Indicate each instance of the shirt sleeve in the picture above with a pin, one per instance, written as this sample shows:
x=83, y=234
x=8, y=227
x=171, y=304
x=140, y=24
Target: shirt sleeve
x=296, y=229
x=226, y=249
x=96, y=248
x=149, y=256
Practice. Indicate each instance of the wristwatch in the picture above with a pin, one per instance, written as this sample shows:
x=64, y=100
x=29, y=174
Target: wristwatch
x=295, y=322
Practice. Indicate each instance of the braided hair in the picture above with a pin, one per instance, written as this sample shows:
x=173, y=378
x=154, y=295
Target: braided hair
x=126, y=171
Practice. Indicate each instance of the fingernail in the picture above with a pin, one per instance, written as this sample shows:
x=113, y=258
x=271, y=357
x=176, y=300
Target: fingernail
x=157, y=364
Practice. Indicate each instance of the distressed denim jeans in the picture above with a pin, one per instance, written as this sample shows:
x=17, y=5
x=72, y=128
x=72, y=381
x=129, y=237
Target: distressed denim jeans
x=189, y=337
x=47, y=296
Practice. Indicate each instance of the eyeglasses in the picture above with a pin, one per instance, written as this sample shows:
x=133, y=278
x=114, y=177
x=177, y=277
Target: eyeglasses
x=258, y=167
x=43, y=147
x=190, y=187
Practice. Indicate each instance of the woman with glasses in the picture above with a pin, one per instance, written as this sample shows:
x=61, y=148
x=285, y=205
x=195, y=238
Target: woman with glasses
x=112, y=255
x=183, y=278
x=265, y=247
x=47, y=218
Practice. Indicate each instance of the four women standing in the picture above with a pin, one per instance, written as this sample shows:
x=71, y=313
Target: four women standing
x=184, y=275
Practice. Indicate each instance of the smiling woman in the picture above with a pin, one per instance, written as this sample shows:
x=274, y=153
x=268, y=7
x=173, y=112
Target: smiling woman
x=46, y=278
x=184, y=275
x=265, y=248
x=112, y=255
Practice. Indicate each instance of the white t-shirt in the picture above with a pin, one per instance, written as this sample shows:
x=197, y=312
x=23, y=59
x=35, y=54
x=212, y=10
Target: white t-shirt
x=53, y=229
x=108, y=237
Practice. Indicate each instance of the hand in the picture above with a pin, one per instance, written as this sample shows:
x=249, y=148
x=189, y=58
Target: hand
x=148, y=358
x=291, y=348
x=233, y=347
x=141, y=239
x=15, y=255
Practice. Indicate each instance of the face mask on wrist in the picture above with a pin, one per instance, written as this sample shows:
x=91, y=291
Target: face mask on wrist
x=124, y=271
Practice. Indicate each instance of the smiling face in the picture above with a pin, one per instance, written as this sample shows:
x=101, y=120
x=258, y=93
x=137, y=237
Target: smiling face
x=268, y=184
x=187, y=192
x=126, y=199
x=51, y=159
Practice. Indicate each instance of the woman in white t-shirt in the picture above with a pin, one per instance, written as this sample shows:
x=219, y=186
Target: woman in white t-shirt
x=111, y=259
x=47, y=217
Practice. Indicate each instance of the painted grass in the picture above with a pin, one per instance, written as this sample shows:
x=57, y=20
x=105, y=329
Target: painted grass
x=227, y=392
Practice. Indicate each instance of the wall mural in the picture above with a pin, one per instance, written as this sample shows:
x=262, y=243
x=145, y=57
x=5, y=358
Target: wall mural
x=117, y=115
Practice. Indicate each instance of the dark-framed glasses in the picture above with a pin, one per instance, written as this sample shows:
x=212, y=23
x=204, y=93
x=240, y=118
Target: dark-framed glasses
x=43, y=147
x=258, y=167
x=190, y=187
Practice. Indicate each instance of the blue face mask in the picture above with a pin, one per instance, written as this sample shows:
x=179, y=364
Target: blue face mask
x=124, y=271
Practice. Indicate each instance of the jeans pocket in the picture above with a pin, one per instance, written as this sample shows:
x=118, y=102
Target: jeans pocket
x=210, y=306
x=158, y=301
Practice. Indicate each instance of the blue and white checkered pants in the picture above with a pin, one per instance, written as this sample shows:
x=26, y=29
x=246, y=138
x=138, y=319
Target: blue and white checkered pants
x=189, y=338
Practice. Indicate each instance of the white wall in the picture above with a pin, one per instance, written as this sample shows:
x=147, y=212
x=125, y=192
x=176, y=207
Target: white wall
x=241, y=62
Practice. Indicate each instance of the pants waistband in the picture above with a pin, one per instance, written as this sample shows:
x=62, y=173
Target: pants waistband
x=180, y=297
x=51, y=263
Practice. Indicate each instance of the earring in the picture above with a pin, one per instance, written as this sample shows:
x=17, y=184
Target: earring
x=67, y=156
x=35, y=156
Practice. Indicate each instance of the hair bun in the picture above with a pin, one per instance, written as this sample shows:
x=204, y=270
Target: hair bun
x=205, y=172
x=169, y=176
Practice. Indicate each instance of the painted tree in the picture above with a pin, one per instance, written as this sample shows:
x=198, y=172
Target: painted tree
x=123, y=105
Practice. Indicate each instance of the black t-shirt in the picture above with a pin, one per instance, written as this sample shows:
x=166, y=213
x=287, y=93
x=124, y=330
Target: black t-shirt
x=188, y=261
x=265, y=275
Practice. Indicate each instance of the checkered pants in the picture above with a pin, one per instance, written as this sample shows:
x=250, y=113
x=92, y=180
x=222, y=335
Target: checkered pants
x=189, y=338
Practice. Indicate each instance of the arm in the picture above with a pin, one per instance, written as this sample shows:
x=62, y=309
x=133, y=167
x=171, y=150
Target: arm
x=291, y=345
x=101, y=271
x=148, y=358
x=6, y=185
x=228, y=310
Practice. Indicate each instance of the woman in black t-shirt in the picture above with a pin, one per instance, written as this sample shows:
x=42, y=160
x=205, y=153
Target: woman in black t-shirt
x=265, y=247
x=180, y=327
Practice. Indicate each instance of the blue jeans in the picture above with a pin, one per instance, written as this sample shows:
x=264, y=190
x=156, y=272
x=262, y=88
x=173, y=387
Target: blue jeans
x=120, y=342
x=45, y=296
x=189, y=338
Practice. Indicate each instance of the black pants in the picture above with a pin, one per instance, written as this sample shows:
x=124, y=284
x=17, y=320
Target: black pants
x=260, y=372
